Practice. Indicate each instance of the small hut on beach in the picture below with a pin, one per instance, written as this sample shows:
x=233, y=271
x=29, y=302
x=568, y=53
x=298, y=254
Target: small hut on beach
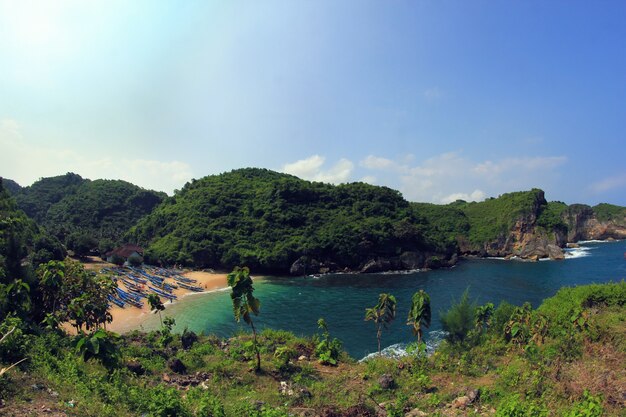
x=125, y=252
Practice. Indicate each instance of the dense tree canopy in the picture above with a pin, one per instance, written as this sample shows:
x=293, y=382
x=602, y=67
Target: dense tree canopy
x=267, y=220
x=81, y=212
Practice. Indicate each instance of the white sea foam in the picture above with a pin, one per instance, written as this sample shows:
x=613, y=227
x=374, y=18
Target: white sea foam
x=582, y=242
x=574, y=253
x=398, y=350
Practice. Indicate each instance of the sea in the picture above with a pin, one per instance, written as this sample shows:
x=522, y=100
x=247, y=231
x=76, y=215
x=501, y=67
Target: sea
x=296, y=303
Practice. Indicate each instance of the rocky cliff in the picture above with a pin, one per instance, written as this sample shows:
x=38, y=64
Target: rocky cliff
x=601, y=222
x=525, y=225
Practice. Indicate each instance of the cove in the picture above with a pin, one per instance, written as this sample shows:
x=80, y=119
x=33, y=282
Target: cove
x=295, y=304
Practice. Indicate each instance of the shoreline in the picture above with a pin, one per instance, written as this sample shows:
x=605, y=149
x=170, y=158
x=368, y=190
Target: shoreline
x=131, y=318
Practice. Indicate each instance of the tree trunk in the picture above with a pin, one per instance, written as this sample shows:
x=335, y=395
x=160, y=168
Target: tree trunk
x=256, y=347
x=378, y=334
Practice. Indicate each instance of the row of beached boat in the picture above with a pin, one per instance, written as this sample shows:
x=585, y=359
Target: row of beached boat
x=139, y=283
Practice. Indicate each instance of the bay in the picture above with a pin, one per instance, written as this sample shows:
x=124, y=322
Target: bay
x=295, y=304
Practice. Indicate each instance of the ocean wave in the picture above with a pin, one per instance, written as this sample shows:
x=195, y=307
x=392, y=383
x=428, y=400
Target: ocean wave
x=398, y=350
x=573, y=253
x=582, y=242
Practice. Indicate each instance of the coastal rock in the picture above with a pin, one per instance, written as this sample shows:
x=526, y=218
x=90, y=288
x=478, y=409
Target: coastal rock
x=386, y=381
x=303, y=266
x=412, y=260
x=572, y=245
x=176, y=365
x=473, y=395
x=461, y=402
x=416, y=412
x=554, y=252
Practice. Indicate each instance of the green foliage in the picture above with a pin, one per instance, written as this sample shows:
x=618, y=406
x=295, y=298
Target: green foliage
x=244, y=302
x=419, y=314
x=501, y=317
x=268, y=220
x=610, y=212
x=551, y=216
x=76, y=209
x=81, y=243
x=514, y=406
x=494, y=217
x=70, y=293
x=14, y=342
x=382, y=314
x=459, y=320
x=328, y=349
x=590, y=406
x=100, y=345
x=166, y=402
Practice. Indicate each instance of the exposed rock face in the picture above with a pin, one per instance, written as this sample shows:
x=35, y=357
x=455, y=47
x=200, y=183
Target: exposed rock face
x=525, y=239
x=583, y=224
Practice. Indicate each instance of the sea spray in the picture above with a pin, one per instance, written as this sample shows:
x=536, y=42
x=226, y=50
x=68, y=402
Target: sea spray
x=399, y=350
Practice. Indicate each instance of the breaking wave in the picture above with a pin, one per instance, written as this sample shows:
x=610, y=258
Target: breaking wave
x=398, y=350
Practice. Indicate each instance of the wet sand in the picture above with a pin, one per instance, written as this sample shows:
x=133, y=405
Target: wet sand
x=131, y=318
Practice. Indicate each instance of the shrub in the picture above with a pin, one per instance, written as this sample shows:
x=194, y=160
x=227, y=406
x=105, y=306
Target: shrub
x=14, y=346
x=327, y=350
x=458, y=321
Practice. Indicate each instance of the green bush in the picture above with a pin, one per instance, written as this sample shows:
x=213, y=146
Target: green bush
x=458, y=321
x=15, y=345
x=166, y=402
x=328, y=349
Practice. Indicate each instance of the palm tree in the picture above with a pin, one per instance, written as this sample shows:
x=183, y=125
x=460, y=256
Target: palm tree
x=382, y=314
x=419, y=314
x=156, y=305
x=244, y=302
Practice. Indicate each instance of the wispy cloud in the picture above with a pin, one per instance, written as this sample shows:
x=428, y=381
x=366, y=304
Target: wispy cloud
x=609, y=184
x=25, y=162
x=311, y=168
x=451, y=176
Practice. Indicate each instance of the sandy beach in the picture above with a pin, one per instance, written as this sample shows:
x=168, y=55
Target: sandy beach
x=130, y=318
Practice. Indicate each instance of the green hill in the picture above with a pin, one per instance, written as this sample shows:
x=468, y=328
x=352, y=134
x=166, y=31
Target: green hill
x=11, y=186
x=268, y=220
x=73, y=208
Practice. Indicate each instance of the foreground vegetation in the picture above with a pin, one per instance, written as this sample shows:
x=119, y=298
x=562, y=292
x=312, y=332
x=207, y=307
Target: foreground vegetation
x=566, y=358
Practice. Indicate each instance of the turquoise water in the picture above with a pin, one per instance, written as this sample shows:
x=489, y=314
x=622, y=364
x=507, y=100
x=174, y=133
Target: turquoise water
x=295, y=304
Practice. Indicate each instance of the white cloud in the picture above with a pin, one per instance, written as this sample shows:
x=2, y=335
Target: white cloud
x=25, y=162
x=311, y=169
x=370, y=179
x=375, y=162
x=305, y=168
x=476, y=195
x=610, y=183
x=450, y=176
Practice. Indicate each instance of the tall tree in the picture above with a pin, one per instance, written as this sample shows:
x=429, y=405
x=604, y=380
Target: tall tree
x=244, y=302
x=156, y=305
x=419, y=314
x=382, y=314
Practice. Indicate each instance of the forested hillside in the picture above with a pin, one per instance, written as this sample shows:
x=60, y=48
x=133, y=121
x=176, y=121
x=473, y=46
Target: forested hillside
x=275, y=222
x=268, y=220
x=86, y=214
x=23, y=246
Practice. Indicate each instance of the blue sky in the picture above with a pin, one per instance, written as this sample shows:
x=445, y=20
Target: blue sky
x=439, y=99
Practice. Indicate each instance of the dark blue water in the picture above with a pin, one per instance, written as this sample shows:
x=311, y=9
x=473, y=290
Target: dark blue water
x=295, y=304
